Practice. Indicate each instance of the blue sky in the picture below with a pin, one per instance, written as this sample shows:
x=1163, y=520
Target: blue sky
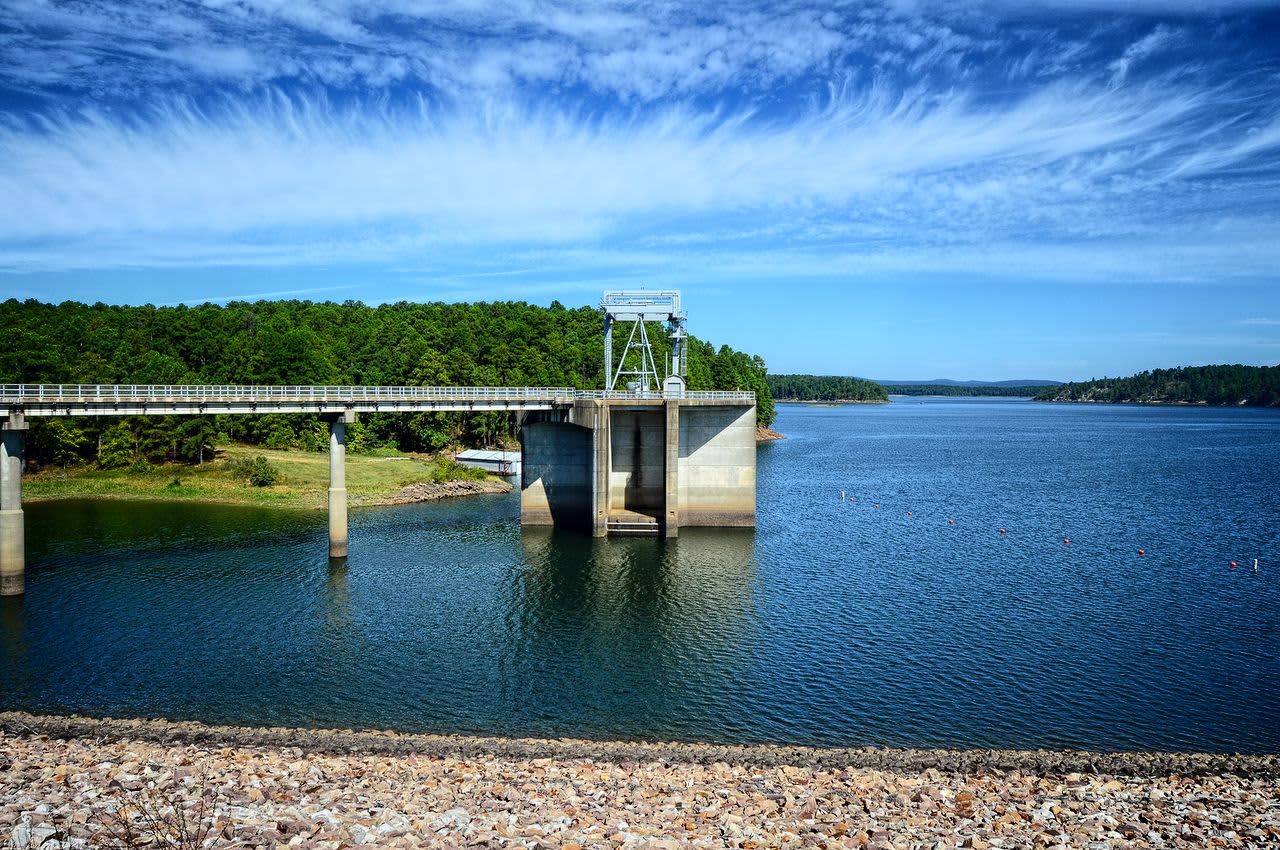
x=1060, y=189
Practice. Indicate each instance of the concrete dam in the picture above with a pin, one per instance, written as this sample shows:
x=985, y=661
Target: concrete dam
x=631, y=465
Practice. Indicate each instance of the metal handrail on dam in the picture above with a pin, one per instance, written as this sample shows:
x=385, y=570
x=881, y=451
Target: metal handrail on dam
x=95, y=395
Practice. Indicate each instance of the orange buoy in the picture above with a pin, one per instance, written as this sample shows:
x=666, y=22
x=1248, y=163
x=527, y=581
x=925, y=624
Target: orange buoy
x=1142, y=551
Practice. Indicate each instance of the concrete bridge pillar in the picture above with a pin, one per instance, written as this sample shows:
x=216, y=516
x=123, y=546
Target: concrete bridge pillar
x=601, y=448
x=671, y=471
x=12, y=533
x=338, y=482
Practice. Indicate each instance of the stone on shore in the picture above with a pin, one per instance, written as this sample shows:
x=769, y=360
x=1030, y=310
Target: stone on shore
x=429, y=491
x=82, y=790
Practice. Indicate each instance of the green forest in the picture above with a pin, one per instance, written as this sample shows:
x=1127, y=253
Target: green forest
x=824, y=388
x=1254, y=386
x=301, y=343
x=960, y=391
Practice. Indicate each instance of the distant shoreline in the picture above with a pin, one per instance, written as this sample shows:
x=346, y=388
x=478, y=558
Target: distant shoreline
x=1147, y=402
x=832, y=401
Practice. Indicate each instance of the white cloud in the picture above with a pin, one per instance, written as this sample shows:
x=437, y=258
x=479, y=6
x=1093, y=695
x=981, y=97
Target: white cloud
x=1159, y=39
x=818, y=137
x=946, y=181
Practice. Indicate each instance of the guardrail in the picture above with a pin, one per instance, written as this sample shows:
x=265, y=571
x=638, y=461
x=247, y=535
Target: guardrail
x=98, y=393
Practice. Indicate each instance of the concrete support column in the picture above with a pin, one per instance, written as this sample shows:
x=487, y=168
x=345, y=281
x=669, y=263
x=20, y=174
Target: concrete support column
x=13, y=562
x=671, y=471
x=338, y=483
x=600, y=440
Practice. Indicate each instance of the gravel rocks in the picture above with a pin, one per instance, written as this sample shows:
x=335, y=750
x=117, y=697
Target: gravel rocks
x=75, y=782
x=431, y=492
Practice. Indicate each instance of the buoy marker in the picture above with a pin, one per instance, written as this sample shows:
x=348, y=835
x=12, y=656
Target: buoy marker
x=1142, y=551
x=1066, y=541
x=909, y=513
x=951, y=522
x=877, y=506
x=1234, y=565
x=1002, y=531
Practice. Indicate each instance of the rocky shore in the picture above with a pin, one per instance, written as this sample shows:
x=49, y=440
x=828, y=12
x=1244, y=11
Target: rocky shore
x=431, y=491
x=765, y=434
x=77, y=782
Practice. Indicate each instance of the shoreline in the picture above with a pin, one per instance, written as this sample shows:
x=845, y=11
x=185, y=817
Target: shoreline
x=302, y=481
x=74, y=783
x=833, y=402
x=427, y=491
x=387, y=742
x=1151, y=403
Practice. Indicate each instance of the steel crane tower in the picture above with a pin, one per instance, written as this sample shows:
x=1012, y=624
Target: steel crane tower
x=639, y=307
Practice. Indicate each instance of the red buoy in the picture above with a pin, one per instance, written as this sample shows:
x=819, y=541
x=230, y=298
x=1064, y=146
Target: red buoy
x=1233, y=565
x=1002, y=531
x=951, y=522
x=909, y=513
x=1066, y=541
x=1142, y=551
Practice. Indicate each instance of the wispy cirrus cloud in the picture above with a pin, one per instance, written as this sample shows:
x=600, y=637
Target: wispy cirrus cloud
x=803, y=138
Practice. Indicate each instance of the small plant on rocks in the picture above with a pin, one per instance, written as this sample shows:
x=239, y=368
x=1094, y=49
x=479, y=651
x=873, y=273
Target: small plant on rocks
x=150, y=817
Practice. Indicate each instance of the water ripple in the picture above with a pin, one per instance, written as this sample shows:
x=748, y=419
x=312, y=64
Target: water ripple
x=836, y=622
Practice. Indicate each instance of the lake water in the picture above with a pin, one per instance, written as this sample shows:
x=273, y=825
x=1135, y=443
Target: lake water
x=834, y=623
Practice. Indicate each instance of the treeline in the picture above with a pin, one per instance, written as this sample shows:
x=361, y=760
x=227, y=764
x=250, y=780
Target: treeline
x=959, y=391
x=301, y=342
x=824, y=388
x=1254, y=386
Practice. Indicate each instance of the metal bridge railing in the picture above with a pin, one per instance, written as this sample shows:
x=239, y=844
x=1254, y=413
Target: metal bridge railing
x=100, y=393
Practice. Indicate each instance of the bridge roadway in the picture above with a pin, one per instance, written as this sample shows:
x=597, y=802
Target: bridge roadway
x=156, y=400
x=338, y=405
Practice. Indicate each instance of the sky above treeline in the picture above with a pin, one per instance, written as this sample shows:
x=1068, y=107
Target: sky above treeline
x=914, y=189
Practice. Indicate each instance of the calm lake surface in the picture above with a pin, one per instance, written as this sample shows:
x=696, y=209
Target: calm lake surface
x=834, y=623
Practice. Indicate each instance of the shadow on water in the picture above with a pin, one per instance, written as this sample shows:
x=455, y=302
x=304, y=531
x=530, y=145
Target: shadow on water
x=13, y=639
x=626, y=633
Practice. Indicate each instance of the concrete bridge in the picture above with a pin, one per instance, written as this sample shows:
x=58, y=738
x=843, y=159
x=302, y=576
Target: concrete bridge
x=608, y=462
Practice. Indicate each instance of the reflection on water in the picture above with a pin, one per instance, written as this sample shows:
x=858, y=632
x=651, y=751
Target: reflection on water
x=833, y=623
x=639, y=631
x=13, y=642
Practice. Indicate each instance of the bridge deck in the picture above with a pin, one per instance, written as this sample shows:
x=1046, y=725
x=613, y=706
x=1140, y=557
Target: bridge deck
x=146, y=399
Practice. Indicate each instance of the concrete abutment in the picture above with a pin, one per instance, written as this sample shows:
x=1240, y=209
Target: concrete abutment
x=640, y=466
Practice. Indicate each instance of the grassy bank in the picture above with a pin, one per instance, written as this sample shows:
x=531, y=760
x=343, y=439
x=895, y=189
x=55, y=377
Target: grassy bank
x=302, y=481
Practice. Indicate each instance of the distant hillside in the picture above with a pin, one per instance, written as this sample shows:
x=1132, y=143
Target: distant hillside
x=1254, y=386
x=1007, y=389
x=824, y=388
x=948, y=382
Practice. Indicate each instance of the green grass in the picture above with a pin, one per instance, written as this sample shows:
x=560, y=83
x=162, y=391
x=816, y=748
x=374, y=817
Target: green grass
x=303, y=482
